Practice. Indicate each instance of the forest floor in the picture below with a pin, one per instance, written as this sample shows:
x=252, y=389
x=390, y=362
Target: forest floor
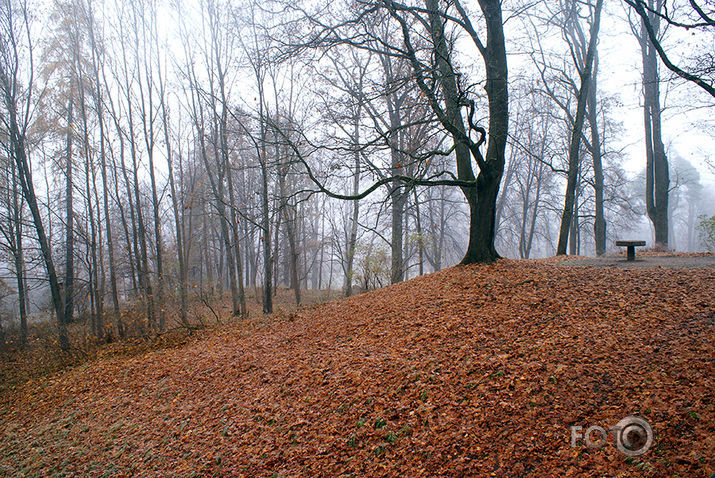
x=41, y=357
x=471, y=371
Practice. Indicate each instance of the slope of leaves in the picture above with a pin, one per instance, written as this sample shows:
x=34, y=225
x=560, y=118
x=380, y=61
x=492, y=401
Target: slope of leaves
x=42, y=356
x=472, y=371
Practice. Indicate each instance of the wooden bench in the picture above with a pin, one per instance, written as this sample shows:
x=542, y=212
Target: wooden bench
x=631, y=248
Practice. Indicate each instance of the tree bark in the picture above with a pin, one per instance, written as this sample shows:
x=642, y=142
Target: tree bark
x=575, y=142
x=17, y=141
x=103, y=165
x=15, y=236
x=657, y=174
x=599, y=224
x=69, y=213
x=351, y=245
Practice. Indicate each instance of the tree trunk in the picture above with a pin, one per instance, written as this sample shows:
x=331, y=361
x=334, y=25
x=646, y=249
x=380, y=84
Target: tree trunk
x=69, y=215
x=397, y=197
x=178, y=219
x=575, y=143
x=481, y=198
x=15, y=231
x=657, y=174
x=239, y=301
x=17, y=146
x=236, y=240
x=420, y=241
x=135, y=196
x=103, y=165
x=482, y=208
x=351, y=245
x=599, y=224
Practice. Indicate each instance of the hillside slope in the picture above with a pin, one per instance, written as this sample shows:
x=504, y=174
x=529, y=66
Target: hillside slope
x=471, y=371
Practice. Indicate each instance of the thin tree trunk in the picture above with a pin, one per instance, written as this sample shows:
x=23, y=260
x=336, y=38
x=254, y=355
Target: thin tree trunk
x=420, y=240
x=140, y=230
x=599, y=224
x=103, y=165
x=351, y=245
x=178, y=219
x=574, y=145
x=236, y=237
x=69, y=215
x=289, y=219
x=15, y=231
x=17, y=141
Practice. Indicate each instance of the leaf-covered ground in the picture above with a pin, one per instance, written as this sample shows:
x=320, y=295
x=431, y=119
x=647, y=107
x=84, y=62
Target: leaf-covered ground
x=472, y=371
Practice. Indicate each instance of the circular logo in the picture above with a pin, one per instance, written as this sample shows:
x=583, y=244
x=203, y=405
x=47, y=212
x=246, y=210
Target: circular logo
x=634, y=436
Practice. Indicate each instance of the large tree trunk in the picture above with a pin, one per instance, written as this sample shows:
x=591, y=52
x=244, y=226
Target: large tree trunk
x=482, y=225
x=481, y=198
x=482, y=216
x=657, y=174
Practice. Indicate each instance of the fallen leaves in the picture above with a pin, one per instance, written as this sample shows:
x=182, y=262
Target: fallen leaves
x=470, y=371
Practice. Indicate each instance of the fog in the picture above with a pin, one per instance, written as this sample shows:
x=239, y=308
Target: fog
x=158, y=153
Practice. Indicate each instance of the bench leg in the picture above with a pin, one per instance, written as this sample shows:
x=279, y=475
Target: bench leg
x=631, y=254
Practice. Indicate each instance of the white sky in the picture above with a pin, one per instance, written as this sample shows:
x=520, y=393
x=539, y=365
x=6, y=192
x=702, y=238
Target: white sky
x=688, y=108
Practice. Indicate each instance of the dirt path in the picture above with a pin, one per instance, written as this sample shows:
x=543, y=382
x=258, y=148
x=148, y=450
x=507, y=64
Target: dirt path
x=645, y=261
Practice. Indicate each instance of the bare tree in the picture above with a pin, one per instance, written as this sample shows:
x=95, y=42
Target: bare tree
x=17, y=102
x=697, y=17
x=585, y=66
x=657, y=174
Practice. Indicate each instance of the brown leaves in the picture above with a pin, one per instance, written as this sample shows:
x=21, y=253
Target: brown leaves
x=472, y=371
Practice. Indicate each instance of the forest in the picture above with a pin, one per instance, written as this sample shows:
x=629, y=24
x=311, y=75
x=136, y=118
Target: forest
x=357, y=238
x=159, y=155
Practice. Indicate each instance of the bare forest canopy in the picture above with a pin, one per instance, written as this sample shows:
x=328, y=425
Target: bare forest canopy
x=156, y=155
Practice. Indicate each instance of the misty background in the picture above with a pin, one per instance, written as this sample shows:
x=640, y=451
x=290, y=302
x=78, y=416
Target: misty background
x=188, y=151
